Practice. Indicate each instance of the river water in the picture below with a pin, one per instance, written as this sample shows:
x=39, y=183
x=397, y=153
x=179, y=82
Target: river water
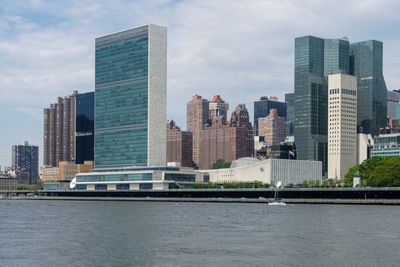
x=113, y=233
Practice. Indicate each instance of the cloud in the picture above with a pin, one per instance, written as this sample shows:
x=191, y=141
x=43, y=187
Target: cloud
x=238, y=49
x=32, y=112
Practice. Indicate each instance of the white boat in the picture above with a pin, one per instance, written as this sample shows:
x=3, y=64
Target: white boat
x=277, y=201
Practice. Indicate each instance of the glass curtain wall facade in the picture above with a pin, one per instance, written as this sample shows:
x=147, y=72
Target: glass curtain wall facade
x=311, y=104
x=366, y=62
x=84, y=136
x=130, y=98
x=289, y=100
x=336, y=57
x=315, y=59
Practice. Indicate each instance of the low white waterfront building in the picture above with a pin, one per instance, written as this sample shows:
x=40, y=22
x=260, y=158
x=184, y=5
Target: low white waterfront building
x=267, y=171
x=135, y=178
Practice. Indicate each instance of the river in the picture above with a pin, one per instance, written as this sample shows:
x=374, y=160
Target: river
x=108, y=233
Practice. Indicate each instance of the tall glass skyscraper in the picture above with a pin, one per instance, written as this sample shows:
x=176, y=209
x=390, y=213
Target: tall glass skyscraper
x=311, y=100
x=84, y=136
x=130, y=98
x=366, y=62
x=315, y=59
x=336, y=56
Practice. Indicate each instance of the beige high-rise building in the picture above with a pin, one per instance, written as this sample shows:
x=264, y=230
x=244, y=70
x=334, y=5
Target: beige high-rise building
x=272, y=128
x=59, y=131
x=342, y=124
x=50, y=174
x=68, y=170
x=196, y=113
x=196, y=119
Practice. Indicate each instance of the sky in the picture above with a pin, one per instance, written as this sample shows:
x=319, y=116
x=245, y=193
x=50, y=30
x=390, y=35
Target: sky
x=238, y=49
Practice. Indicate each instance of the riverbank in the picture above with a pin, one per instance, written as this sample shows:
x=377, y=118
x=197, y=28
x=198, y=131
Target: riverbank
x=217, y=200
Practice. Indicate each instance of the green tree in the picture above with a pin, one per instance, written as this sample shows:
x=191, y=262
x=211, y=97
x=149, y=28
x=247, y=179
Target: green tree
x=365, y=169
x=305, y=184
x=387, y=174
x=317, y=183
x=221, y=164
x=324, y=184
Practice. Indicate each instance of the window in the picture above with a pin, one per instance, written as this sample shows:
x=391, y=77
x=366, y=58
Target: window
x=100, y=187
x=122, y=186
x=146, y=186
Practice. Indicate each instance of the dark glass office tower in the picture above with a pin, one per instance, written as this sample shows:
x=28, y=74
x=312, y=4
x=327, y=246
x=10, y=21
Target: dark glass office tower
x=26, y=158
x=315, y=59
x=84, y=127
x=336, y=56
x=264, y=105
x=130, y=98
x=366, y=62
x=289, y=100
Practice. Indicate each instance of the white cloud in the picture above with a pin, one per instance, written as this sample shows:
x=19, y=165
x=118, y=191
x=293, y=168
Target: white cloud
x=32, y=112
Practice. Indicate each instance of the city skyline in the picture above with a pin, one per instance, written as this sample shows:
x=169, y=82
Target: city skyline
x=205, y=55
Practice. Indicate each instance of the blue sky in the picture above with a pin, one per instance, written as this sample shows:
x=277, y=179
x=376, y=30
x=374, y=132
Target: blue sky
x=239, y=49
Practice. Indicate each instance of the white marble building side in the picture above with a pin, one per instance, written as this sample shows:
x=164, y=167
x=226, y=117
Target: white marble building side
x=157, y=100
x=270, y=170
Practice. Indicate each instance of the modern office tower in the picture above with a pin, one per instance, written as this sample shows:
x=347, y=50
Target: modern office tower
x=315, y=59
x=179, y=145
x=336, y=56
x=282, y=151
x=264, y=105
x=84, y=136
x=366, y=62
x=196, y=113
x=59, y=131
x=26, y=158
x=342, y=125
x=130, y=98
x=310, y=126
x=218, y=108
x=272, y=128
x=393, y=100
x=289, y=100
x=226, y=141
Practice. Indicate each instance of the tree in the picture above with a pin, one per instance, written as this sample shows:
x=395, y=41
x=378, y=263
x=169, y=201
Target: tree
x=305, y=184
x=221, y=164
x=317, y=183
x=365, y=169
x=387, y=174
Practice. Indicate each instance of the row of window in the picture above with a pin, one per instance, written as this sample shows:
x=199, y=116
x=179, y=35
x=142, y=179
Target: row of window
x=343, y=91
x=117, y=186
x=114, y=177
